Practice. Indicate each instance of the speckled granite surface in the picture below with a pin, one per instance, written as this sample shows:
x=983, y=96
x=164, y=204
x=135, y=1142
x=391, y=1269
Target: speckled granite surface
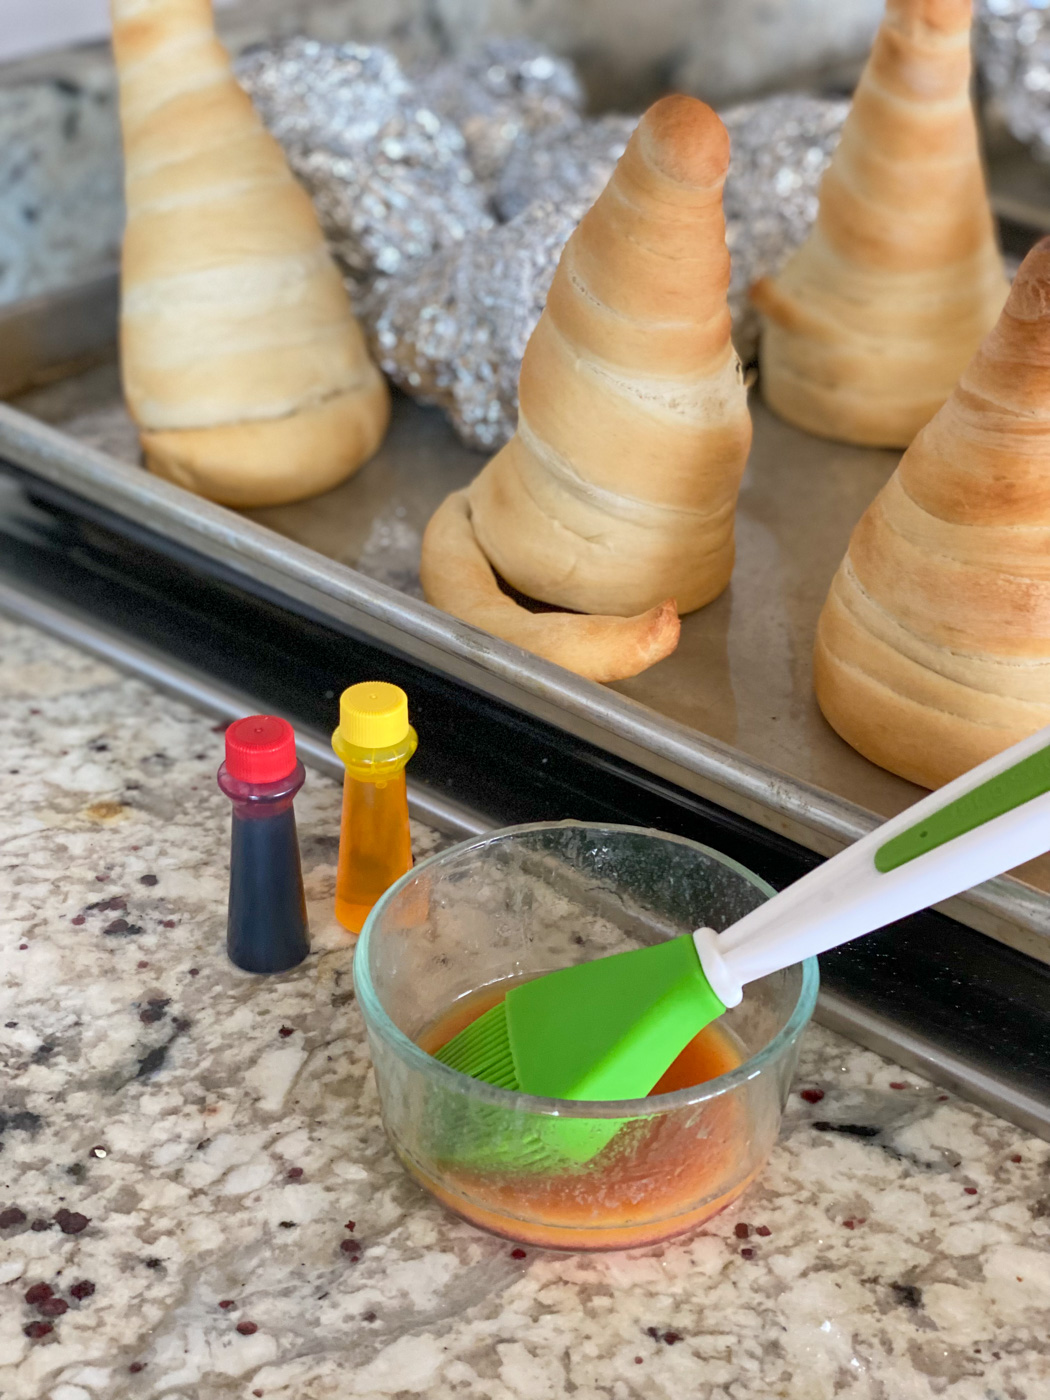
x=188, y=1147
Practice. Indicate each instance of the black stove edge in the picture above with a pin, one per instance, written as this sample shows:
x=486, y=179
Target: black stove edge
x=938, y=997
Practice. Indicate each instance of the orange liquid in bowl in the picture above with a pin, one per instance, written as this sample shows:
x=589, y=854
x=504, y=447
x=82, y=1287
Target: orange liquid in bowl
x=655, y=1179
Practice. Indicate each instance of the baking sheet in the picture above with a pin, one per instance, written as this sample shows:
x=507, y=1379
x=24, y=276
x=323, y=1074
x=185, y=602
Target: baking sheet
x=741, y=673
x=736, y=696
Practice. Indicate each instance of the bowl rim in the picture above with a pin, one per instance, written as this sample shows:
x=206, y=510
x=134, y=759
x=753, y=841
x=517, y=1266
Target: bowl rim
x=377, y=1019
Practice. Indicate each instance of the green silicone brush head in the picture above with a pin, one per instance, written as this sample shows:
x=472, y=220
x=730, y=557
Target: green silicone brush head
x=600, y=1031
x=482, y=1050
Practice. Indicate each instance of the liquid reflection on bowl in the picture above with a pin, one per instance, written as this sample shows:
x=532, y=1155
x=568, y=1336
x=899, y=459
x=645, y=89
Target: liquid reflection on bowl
x=439, y=949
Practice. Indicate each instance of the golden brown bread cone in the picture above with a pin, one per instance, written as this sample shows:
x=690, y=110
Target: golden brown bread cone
x=243, y=365
x=874, y=318
x=933, y=649
x=458, y=578
x=618, y=490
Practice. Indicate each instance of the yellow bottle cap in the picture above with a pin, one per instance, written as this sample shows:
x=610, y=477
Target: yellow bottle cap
x=373, y=715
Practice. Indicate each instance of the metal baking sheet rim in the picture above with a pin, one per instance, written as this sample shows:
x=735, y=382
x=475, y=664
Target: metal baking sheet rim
x=1004, y=908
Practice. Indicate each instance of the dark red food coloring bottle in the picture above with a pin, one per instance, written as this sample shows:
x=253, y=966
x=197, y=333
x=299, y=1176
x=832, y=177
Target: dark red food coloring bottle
x=267, y=930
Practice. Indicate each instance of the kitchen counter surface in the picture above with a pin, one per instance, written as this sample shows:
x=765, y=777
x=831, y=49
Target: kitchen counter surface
x=192, y=1159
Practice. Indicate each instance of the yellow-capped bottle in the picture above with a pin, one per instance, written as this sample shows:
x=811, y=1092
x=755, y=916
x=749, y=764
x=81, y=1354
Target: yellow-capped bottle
x=375, y=742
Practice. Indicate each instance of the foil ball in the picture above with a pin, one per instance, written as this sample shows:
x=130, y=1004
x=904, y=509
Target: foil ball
x=1013, y=58
x=450, y=298
x=574, y=161
x=454, y=333
x=389, y=177
x=498, y=94
x=779, y=150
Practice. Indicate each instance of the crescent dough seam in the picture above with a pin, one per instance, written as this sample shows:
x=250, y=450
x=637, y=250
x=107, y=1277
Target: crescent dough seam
x=651, y=394
x=175, y=47
x=622, y=195
x=303, y=404
x=611, y=502
x=577, y=281
x=276, y=338
x=880, y=207
x=828, y=384
x=136, y=168
x=1041, y=527
x=1033, y=414
x=209, y=194
x=679, y=260
x=284, y=272
x=957, y=653
x=934, y=106
x=145, y=110
x=922, y=35
x=853, y=669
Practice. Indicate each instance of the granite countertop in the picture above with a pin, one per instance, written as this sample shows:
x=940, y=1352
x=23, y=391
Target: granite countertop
x=192, y=1160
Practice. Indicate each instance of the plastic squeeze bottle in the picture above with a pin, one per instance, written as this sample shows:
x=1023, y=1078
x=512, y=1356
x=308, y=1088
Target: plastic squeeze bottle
x=374, y=741
x=267, y=929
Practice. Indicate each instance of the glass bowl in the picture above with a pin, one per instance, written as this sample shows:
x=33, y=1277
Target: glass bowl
x=440, y=946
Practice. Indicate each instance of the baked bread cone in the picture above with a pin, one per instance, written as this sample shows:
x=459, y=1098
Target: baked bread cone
x=617, y=492
x=933, y=649
x=243, y=365
x=874, y=318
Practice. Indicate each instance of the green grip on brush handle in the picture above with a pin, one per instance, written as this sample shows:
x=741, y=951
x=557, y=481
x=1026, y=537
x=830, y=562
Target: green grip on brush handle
x=1012, y=788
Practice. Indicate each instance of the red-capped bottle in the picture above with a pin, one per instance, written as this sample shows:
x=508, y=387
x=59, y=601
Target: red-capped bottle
x=267, y=929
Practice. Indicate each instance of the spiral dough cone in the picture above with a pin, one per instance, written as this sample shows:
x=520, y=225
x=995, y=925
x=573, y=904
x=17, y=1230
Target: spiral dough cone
x=242, y=363
x=874, y=318
x=933, y=648
x=616, y=495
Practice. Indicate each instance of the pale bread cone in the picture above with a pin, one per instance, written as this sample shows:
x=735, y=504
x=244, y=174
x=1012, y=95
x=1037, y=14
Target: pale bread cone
x=617, y=492
x=933, y=649
x=874, y=318
x=242, y=363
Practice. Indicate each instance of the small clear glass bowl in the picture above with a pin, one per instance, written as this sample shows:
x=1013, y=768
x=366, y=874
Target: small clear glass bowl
x=528, y=900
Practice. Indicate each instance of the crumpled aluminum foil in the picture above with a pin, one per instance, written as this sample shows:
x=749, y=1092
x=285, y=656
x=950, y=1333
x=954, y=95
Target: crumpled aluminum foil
x=780, y=148
x=1013, y=57
x=499, y=94
x=573, y=160
x=389, y=178
x=449, y=296
x=455, y=331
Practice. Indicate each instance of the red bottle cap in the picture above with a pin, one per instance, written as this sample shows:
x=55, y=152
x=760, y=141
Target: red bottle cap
x=260, y=749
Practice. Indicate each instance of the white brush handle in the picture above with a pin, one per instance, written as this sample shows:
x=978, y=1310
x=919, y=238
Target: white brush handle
x=849, y=895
